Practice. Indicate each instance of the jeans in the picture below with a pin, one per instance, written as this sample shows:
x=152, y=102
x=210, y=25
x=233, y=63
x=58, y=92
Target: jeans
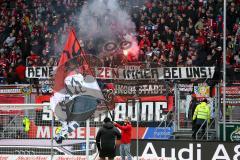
x=125, y=151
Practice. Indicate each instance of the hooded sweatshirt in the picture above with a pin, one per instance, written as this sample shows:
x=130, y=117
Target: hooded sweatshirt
x=106, y=136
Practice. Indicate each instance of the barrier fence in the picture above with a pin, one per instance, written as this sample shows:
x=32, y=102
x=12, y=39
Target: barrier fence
x=38, y=140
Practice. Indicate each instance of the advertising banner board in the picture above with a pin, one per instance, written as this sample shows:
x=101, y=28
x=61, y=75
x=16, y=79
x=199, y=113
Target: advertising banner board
x=187, y=150
x=161, y=150
x=232, y=131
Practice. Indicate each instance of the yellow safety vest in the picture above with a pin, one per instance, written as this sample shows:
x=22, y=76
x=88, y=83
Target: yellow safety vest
x=202, y=111
x=26, y=124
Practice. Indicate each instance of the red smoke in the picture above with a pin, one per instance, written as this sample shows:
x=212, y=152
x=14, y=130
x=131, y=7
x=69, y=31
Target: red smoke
x=133, y=52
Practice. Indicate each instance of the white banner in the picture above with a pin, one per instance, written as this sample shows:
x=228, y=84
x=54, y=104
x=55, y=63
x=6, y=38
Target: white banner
x=155, y=73
x=134, y=73
x=39, y=72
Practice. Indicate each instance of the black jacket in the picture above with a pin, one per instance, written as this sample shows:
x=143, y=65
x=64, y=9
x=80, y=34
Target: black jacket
x=106, y=137
x=192, y=107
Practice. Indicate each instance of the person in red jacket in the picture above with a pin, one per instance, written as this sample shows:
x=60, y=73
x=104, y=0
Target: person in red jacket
x=126, y=130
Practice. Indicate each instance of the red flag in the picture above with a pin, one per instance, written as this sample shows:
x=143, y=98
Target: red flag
x=74, y=74
x=74, y=78
x=72, y=48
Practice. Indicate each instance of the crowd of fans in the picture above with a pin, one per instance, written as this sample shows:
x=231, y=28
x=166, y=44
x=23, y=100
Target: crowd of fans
x=29, y=34
x=169, y=33
x=189, y=33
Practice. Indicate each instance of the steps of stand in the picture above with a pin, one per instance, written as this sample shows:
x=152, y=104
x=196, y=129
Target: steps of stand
x=183, y=135
x=187, y=135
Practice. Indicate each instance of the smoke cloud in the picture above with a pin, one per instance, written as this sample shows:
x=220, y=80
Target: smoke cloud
x=103, y=21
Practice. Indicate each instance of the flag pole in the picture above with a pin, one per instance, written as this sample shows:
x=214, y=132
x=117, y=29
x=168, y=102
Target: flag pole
x=137, y=105
x=87, y=138
x=109, y=111
x=224, y=69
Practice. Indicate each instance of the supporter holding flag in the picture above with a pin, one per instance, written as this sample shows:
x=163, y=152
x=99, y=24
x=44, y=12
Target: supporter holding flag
x=126, y=131
x=76, y=92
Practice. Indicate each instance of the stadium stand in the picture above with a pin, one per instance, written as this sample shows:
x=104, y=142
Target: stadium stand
x=169, y=33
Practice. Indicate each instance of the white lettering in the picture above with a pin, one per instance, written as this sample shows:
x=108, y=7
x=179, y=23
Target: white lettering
x=158, y=110
x=120, y=111
x=143, y=89
x=132, y=112
x=148, y=111
x=80, y=132
x=173, y=153
x=150, y=147
x=236, y=150
x=147, y=106
x=188, y=150
x=216, y=155
x=199, y=154
x=43, y=132
x=47, y=114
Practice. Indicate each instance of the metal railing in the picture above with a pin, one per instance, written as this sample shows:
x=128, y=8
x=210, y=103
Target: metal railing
x=205, y=121
x=165, y=123
x=165, y=119
x=207, y=130
x=165, y=128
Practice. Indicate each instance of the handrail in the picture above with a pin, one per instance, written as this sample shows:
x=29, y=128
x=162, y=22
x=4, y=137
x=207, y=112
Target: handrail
x=201, y=128
x=164, y=120
x=206, y=132
x=167, y=126
x=170, y=122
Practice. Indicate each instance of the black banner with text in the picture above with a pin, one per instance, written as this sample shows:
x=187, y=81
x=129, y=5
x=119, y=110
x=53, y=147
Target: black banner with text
x=187, y=150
